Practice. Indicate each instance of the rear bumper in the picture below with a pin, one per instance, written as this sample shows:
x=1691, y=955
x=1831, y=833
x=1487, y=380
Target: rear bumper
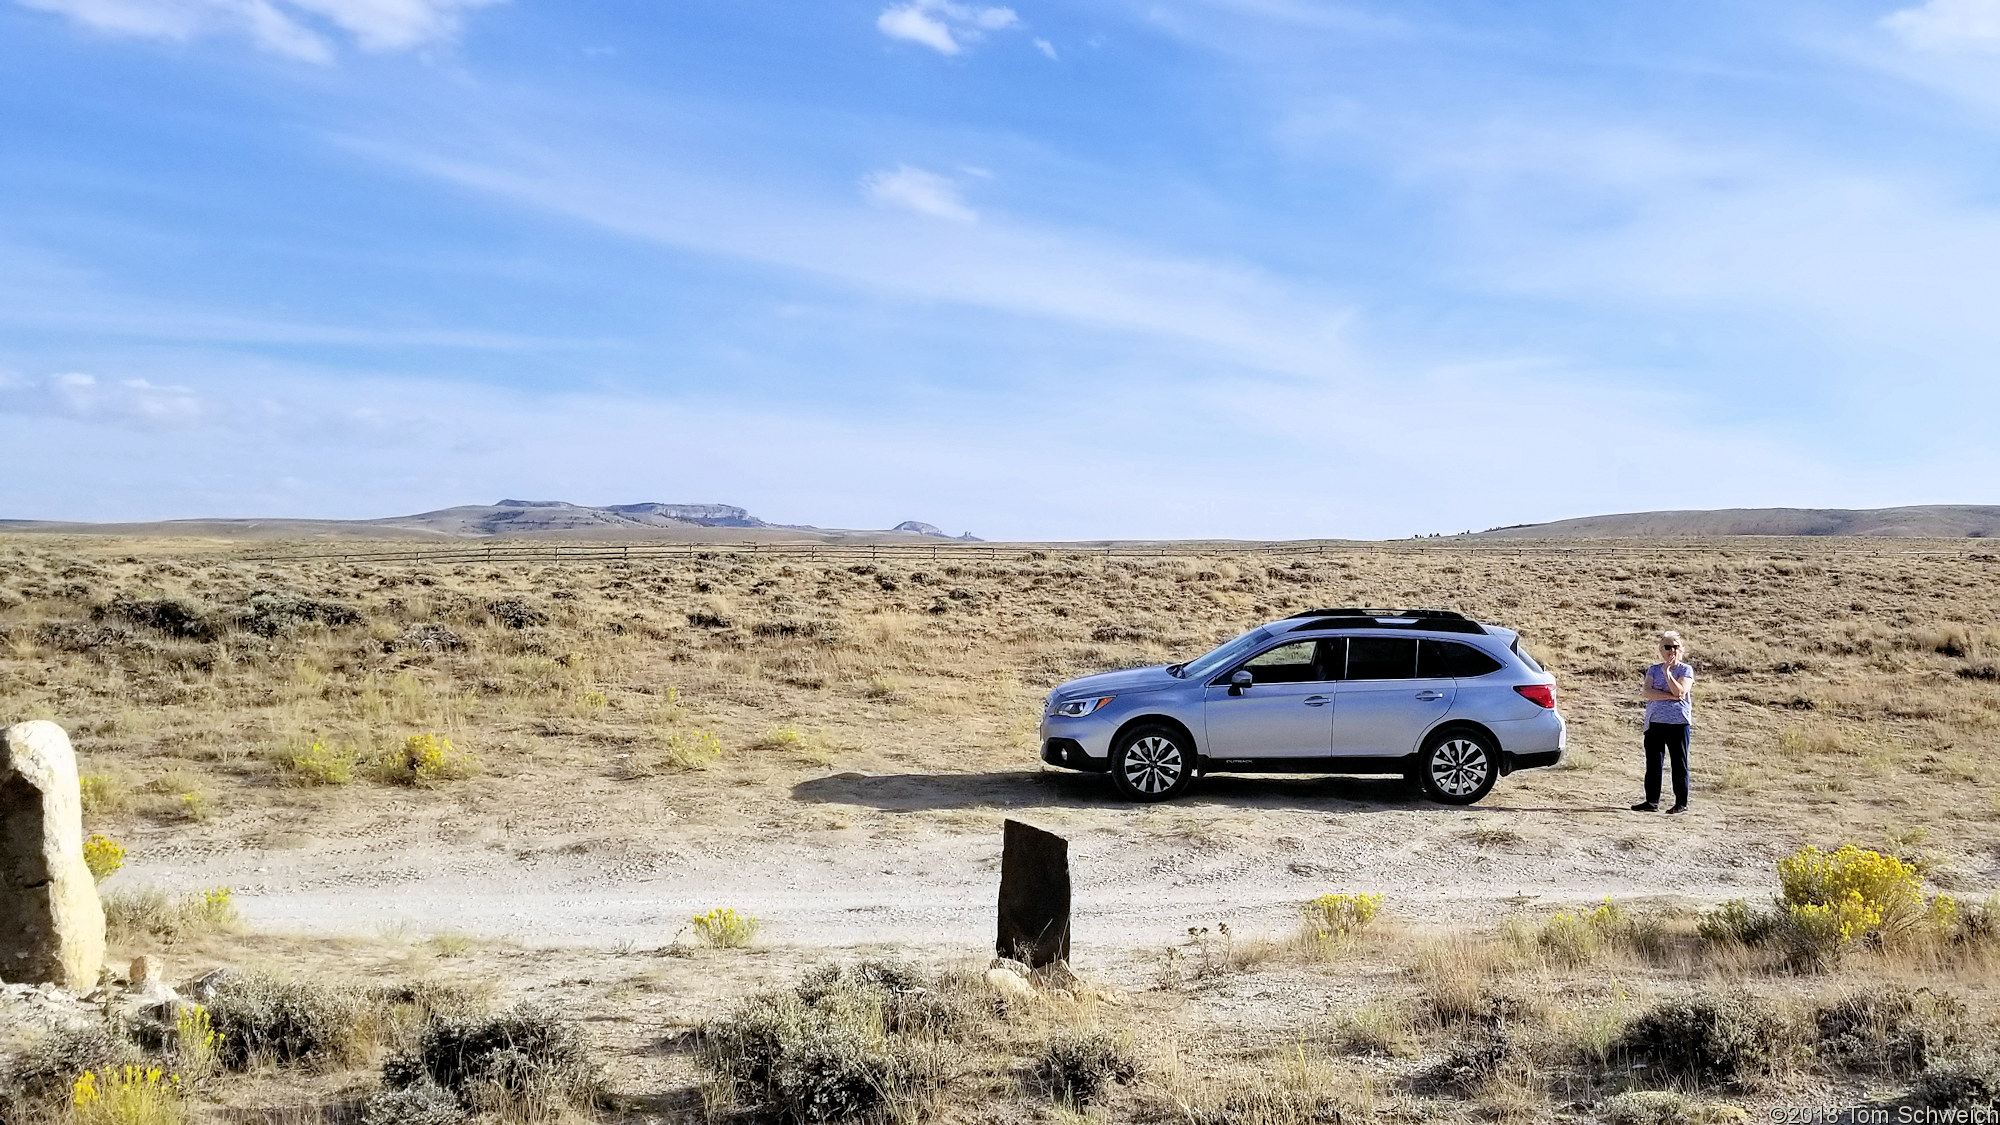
x=1529, y=744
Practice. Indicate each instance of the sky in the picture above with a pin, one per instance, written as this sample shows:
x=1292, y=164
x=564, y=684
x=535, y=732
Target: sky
x=1126, y=269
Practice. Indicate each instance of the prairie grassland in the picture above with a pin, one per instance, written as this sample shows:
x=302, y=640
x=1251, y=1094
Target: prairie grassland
x=1849, y=686
x=229, y=711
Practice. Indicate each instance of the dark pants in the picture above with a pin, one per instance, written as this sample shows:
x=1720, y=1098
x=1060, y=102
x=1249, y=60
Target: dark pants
x=1667, y=740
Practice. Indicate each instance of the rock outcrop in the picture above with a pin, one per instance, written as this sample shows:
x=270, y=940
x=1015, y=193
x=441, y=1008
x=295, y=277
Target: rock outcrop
x=51, y=924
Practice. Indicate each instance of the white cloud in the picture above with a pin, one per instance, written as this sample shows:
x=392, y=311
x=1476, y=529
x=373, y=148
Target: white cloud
x=1046, y=47
x=1949, y=25
x=918, y=191
x=295, y=28
x=79, y=396
x=944, y=26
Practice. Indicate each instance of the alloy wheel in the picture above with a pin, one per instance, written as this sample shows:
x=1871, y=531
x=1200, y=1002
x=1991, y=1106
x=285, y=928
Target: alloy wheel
x=1459, y=767
x=1153, y=764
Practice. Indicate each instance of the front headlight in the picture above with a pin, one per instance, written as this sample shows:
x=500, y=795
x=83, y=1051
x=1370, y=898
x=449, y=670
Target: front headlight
x=1074, y=708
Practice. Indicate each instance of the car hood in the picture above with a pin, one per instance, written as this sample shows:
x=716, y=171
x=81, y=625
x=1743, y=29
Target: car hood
x=1114, y=683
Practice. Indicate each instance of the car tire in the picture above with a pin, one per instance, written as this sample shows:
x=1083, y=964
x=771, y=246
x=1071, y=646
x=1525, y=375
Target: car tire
x=1458, y=767
x=1153, y=763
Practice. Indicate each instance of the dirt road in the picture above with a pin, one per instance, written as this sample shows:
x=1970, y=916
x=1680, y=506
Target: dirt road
x=913, y=859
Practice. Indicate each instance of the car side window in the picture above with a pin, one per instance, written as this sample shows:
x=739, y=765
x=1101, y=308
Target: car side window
x=1439, y=659
x=1294, y=663
x=1381, y=658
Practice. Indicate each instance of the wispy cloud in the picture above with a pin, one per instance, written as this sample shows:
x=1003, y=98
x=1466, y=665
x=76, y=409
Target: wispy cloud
x=1949, y=25
x=295, y=28
x=134, y=402
x=905, y=188
x=1069, y=276
x=943, y=25
x=1045, y=47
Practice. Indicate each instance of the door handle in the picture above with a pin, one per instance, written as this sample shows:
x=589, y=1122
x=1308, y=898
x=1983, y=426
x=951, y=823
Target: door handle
x=1317, y=700
x=1427, y=695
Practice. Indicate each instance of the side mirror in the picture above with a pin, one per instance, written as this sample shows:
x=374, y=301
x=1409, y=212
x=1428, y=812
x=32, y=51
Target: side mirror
x=1240, y=679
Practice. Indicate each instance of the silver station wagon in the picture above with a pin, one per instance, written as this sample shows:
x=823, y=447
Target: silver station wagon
x=1428, y=694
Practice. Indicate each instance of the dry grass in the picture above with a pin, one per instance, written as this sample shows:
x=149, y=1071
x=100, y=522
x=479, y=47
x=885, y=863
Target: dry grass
x=1845, y=695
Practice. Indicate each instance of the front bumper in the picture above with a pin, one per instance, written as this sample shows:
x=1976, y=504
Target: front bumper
x=1069, y=754
x=1082, y=743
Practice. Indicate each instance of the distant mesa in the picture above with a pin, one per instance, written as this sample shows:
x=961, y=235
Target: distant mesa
x=1926, y=521
x=919, y=527
x=545, y=519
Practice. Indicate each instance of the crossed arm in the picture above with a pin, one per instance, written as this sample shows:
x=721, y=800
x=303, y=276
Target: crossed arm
x=1677, y=687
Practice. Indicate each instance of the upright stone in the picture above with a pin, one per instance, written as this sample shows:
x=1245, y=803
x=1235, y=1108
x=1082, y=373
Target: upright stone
x=1034, y=896
x=51, y=924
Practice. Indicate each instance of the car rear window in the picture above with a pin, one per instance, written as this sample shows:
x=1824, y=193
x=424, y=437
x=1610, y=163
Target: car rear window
x=1440, y=659
x=1530, y=661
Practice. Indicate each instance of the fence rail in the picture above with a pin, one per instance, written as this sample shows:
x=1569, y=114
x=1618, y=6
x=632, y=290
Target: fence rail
x=639, y=552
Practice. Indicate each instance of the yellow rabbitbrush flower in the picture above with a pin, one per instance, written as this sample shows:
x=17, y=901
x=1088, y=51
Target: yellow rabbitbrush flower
x=103, y=855
x=724, y=928
x=131, y=1095
x=1866, y=893
x=1339, y=915
x=427, y=758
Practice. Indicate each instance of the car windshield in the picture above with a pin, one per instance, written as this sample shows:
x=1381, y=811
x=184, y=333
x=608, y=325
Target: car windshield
x=1221, y=657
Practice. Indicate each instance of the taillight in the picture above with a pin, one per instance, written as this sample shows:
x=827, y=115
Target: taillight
x=1541, y=695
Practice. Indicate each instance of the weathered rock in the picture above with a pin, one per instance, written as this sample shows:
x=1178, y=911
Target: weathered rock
x=51, y=924
x=1010, y=986
x=146, y=970
x=1034, y=896
x=205, y=987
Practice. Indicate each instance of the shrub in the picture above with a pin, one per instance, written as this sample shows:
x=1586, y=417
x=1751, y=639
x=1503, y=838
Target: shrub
x=1736, y=921
x=424, y=759
x=530, y=1060
x=103, y=855
x=689, y=750
x=195, y=1042
x=268, y=615
x=1341, y=915
x=1865, y=891
x=846, y=1042
x=1889, y=1031
x=1705, y=1039
x=1376, y=1029
x=40, y=1075
x=422, y=1104
x=1665, y=1107
x=797, y=743
x=288, y=1022
x=151, y=912
x=317, y=765
x=129, y=1095
x=195, y=806
x=1962, y=1085
x=1572, y=940
x=724, y=928
x=1075, y=1067
x=169, y=616
x=516, y=613
x=103, y=793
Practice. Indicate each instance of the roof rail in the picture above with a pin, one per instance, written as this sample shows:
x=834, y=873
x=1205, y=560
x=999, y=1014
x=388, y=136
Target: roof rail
x=1441, y=623
x=1424, y=614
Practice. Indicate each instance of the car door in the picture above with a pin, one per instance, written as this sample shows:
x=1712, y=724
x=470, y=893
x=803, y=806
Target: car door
x=1382, y=706
x=1285, y=712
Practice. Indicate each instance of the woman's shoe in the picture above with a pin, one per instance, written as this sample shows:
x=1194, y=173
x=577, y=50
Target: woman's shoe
x=1646, y=806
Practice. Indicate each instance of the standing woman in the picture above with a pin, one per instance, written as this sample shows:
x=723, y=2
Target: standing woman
x=1669, y=720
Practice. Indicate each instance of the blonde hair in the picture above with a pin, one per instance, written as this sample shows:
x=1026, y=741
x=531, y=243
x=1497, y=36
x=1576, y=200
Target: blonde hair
x=1670, y=635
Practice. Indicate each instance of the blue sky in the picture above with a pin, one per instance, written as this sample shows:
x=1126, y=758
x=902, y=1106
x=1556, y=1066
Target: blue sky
x=1252, y=268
